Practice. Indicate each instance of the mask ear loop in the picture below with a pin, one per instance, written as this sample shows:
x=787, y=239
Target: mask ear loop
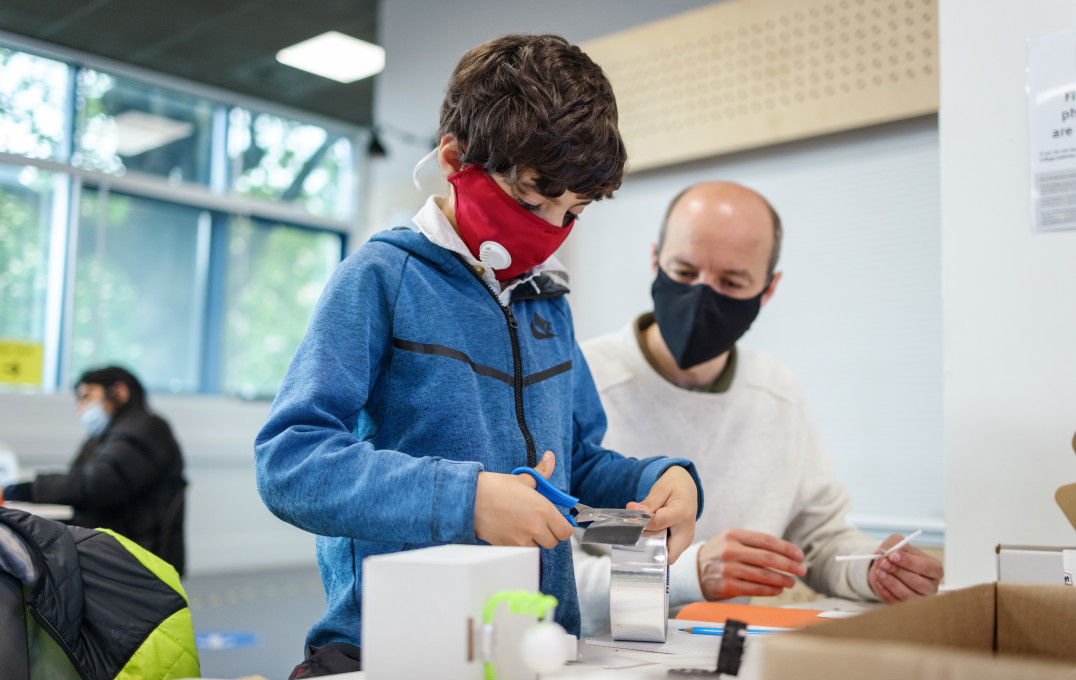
x=418, y=166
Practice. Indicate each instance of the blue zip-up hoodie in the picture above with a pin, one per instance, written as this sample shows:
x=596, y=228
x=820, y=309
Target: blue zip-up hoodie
x=411, y=379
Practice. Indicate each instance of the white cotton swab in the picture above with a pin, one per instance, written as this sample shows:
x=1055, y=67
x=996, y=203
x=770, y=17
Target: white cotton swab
x=898, y=546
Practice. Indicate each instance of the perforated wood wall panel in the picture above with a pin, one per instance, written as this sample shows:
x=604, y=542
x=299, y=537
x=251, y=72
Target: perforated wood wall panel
x=747, y=73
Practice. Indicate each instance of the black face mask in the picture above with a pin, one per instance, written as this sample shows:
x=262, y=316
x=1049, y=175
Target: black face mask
x=698, y=323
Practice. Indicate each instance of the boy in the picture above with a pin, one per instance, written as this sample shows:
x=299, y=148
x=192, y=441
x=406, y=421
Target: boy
x=439, y=360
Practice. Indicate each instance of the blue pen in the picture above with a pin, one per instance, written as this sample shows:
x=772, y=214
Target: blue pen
x=720, y=630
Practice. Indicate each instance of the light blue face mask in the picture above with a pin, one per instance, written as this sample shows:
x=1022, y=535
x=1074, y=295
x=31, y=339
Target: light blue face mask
x=94, y=419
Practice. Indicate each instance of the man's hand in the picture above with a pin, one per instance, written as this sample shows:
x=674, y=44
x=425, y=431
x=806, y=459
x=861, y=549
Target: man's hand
x=739, y=562
x=673, y=503
x=508, y=511
x=904, y=575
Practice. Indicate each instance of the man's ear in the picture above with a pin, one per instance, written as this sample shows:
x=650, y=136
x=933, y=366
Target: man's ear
x=653, y=260
x=770, y=289
x=448, y=155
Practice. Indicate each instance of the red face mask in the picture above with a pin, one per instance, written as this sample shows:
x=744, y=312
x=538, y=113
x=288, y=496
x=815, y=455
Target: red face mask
x=499, y=232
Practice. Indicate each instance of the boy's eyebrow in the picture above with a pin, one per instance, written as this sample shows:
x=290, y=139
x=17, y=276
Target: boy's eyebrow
x=529, y=185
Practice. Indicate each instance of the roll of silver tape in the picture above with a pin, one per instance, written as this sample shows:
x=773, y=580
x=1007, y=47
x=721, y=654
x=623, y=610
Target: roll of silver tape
x=639, y=589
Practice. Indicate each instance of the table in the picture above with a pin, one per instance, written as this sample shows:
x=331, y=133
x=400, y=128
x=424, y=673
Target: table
x=592, y=661
x=46, y=510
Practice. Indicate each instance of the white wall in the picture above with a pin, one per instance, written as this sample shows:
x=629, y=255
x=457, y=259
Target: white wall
x=858, y=317
x=857, y=314
x=425, y=38
x=227, y=526
x=1007, y=321
x=1010, y=295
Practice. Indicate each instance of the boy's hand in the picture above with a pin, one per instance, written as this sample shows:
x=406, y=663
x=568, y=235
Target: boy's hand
x=508, y=511
x=673, y=501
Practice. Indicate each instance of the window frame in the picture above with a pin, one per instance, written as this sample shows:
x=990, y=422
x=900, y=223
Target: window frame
x=217, y=198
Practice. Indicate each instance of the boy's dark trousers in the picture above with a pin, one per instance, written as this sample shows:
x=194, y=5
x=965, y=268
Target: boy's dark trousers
x=335, y=657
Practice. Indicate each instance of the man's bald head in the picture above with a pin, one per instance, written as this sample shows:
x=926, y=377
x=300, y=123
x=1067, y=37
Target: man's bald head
x=726, y=196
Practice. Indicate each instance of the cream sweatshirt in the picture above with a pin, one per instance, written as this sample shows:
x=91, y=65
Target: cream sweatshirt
x=758, y=453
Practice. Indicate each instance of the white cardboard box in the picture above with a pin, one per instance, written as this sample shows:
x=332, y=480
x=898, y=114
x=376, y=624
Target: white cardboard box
x=1031, y=564
x=422, y=611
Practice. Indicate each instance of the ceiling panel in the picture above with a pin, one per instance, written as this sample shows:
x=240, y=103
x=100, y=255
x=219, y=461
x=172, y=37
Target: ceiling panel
x=230, y=44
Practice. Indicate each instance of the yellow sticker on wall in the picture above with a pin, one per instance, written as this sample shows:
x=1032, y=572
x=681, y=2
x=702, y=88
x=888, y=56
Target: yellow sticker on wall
x=21, y=362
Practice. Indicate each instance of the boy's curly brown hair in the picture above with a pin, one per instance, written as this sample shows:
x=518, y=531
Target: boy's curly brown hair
x=536, y=102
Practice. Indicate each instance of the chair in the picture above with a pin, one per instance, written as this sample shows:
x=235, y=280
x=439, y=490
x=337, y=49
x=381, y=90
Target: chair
x=103, y=607
x=173, y=520
x=13, y=647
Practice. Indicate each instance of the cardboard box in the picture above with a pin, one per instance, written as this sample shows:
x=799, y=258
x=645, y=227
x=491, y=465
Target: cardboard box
x=1042, y=564
x=994, y=631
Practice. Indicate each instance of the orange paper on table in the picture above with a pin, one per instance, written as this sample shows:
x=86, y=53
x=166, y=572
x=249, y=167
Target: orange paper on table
x=777, y=617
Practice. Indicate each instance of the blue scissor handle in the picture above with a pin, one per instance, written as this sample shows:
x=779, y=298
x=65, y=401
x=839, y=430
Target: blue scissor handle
x=555, y=495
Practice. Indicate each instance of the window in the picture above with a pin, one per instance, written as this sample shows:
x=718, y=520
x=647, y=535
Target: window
x=124, y=126
x=275, y=276
x=173, y=232
x=138, y=299
x=285, y=160
x=26, y=213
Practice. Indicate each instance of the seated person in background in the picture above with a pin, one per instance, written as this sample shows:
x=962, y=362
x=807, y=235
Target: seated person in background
x=674, y=380
x=128, y=475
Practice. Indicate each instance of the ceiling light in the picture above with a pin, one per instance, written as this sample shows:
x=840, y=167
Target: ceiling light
x=137, y=132
x=335, y=55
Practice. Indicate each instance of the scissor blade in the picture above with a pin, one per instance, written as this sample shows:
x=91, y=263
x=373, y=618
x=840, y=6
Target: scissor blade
x=612, y=526
x=585, y=515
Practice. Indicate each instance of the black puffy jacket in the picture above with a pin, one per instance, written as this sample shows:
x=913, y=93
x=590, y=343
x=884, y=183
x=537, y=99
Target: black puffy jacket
x=88, y=605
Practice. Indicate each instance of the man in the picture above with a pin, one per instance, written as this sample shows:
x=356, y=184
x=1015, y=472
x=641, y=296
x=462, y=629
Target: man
x=674, y=380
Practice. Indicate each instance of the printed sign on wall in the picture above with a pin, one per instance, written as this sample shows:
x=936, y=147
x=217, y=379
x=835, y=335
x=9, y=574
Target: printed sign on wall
x=21, y=362
x=1051, y=93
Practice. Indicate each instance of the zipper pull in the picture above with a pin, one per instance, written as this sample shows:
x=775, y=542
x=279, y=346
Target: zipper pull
x=512, y=319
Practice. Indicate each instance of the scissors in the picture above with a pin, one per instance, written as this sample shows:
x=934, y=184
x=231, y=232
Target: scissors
x=615, y=526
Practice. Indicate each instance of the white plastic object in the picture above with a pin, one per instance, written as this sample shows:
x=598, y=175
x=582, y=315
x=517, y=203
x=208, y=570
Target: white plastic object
x=545, y=647
x=494, y=255
x=874, y=556
x=487, y=641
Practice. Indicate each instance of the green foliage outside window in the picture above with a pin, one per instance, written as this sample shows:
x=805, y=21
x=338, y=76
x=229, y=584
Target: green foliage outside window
x=24, y=248
x=275, y=276
x=32, y=91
